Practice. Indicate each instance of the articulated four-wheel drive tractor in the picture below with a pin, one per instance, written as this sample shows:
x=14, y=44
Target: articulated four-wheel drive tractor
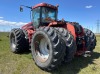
x=51, y=41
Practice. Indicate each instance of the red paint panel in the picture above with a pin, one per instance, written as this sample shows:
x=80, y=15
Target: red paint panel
x=27, y=26
x=30, y=33
x=71, y=29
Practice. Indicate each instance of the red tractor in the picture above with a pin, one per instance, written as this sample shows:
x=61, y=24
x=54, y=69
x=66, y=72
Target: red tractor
x=50, y=40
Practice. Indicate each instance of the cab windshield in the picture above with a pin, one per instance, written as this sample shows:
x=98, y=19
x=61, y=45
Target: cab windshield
x=48, y=14
x=43, y=16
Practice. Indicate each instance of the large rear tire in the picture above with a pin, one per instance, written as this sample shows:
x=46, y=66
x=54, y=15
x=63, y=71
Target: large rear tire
x=17, y=41
x=48, y=48
x=90, y=39
x=70, y=44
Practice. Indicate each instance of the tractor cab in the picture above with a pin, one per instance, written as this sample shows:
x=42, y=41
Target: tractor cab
x=43, y=14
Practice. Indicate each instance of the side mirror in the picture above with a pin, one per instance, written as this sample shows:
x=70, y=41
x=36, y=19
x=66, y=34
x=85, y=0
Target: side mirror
x=21, y=9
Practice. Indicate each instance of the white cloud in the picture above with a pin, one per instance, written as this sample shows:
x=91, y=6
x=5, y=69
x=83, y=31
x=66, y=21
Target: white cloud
x=10, y=23
x=89, y=6
x=1, y=17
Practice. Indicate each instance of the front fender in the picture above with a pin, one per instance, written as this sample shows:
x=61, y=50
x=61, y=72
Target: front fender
x=71, y=29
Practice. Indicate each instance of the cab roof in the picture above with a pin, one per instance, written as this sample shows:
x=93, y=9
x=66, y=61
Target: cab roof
x=45, y=5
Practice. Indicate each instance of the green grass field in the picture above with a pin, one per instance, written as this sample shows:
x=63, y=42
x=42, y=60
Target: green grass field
x=11, y=63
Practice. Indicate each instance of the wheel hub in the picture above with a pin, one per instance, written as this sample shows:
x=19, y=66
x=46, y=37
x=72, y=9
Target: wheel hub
x=43, y=51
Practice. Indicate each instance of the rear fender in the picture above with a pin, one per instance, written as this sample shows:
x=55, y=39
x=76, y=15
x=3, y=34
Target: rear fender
x=30, y=29
x=30, y=33
x=27, y=26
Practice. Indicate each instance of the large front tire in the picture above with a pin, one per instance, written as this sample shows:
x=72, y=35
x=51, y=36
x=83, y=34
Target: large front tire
x=48, y=49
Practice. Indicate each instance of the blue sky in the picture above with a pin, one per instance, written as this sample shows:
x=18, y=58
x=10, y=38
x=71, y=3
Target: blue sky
x=86, y=12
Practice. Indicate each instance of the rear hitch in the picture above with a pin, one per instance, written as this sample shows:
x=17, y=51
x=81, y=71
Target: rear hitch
x=87, y=54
